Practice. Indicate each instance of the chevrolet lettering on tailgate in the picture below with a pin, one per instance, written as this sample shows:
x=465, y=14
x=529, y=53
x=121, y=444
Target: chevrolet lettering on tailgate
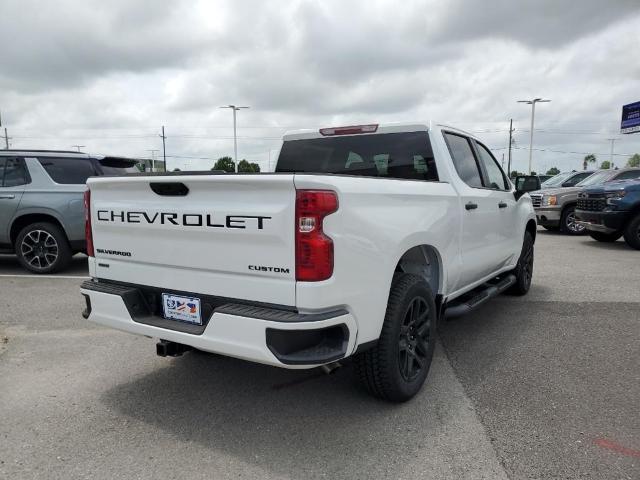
x=184, y=219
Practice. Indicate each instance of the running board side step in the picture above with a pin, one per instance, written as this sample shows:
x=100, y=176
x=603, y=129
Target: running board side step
x=478, y=296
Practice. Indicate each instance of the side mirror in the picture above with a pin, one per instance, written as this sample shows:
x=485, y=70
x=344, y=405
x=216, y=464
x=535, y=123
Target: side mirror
x=526, y=183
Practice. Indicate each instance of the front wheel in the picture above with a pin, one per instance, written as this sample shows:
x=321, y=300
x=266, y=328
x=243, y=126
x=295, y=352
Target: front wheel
x=524, y=268
x=43, y=248
x=605, y=237
x=396, y=368
x=632, y=233
x=568, y=222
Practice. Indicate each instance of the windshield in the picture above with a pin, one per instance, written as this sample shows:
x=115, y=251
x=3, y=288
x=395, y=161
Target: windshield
x=594, y=179
x=557, y=180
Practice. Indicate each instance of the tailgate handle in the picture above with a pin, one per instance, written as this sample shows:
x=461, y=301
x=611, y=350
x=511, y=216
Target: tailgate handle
x=169, y=189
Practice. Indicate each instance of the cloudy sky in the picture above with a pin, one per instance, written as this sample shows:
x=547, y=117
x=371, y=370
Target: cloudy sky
x=109, y=74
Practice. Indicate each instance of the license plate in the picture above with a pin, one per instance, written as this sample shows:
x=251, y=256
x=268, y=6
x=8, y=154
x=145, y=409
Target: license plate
x=183, y=309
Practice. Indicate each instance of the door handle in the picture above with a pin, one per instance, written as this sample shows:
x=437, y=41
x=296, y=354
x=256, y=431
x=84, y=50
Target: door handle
x=502, y=205
x=7, y=195
x=471, y=206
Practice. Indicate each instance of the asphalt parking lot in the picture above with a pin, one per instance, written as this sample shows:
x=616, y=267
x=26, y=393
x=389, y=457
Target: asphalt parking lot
x=544, y=386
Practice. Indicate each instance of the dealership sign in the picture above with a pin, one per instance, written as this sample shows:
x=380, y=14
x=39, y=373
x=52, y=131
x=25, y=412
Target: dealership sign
x=630, y=118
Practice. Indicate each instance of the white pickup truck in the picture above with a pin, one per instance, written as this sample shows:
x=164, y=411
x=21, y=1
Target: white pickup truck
x=362, y=239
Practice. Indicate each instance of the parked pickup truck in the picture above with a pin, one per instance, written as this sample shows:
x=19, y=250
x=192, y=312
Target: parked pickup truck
x=555, y=206
x=355, y=247
x=610, y=211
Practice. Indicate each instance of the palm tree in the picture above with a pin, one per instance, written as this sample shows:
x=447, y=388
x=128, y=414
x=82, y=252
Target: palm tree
x=591, y=158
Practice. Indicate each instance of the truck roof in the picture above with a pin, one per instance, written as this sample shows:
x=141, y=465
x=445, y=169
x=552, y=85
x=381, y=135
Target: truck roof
x=27, y=151
x=399, y=127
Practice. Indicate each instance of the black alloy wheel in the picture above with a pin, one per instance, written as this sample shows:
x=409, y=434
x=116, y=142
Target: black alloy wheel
x=396, y=367
x=524, y=268
x=413, y=344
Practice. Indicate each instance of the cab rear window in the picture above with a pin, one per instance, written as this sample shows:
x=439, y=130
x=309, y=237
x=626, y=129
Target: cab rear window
x=114, y=166
x=406, y=155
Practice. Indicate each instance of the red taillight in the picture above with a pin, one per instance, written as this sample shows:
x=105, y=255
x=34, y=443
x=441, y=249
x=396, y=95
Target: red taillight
x=352, y=130
x=314, y=250
x=88, y=235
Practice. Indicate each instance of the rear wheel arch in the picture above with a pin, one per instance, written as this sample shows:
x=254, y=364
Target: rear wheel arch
x=27, y=219
x=424, y=261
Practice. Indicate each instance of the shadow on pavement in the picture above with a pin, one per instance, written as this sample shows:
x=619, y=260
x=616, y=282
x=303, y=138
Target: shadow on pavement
x=290, y=422
x=9, y=265
x=551, y=233
x=617, y=245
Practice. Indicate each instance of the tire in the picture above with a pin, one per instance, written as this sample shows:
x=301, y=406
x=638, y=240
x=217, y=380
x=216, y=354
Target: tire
x=568, y=223
x=632, y=232
x=396, y=368
x=551, y=228
x=605, y=237
x=524, y=268
x=43, y=247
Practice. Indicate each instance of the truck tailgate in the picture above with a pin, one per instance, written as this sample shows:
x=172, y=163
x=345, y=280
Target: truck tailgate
x=224, y=235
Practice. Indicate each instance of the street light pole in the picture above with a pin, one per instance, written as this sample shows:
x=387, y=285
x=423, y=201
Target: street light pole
x=235, y=136
x=533, y=114
x=612, y=140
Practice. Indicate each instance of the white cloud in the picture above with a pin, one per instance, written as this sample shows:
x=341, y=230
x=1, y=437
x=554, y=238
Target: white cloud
x=109, y=74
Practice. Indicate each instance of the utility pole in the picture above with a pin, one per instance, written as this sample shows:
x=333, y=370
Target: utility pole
x=164, y=151
x=511, y=130
x=78, y=147
x=235, y=137
x=532, y=102
x=613, y=141
x=153, y=159
x=6, y=136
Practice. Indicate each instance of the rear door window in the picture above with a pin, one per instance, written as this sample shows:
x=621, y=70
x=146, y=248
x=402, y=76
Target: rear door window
x=463, y=159
x=404, y=155
x=496, y=179
x=13, y=172
x=64, y=170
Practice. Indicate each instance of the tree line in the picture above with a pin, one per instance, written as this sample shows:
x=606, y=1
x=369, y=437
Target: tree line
x=228, y=165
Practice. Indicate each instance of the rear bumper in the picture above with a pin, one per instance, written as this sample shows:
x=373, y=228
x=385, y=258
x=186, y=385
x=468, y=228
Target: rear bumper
x=271, y=336
x=605, y=222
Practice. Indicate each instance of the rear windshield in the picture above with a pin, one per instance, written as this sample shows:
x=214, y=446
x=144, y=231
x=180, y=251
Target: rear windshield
x=117, y=166
x=392, y=155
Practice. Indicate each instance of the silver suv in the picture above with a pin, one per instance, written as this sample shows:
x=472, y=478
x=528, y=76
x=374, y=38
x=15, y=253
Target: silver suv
x=41, y=203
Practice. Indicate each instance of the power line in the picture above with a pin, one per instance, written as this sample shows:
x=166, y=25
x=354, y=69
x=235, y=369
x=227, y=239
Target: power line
x=577, y=153
x=140, y=137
